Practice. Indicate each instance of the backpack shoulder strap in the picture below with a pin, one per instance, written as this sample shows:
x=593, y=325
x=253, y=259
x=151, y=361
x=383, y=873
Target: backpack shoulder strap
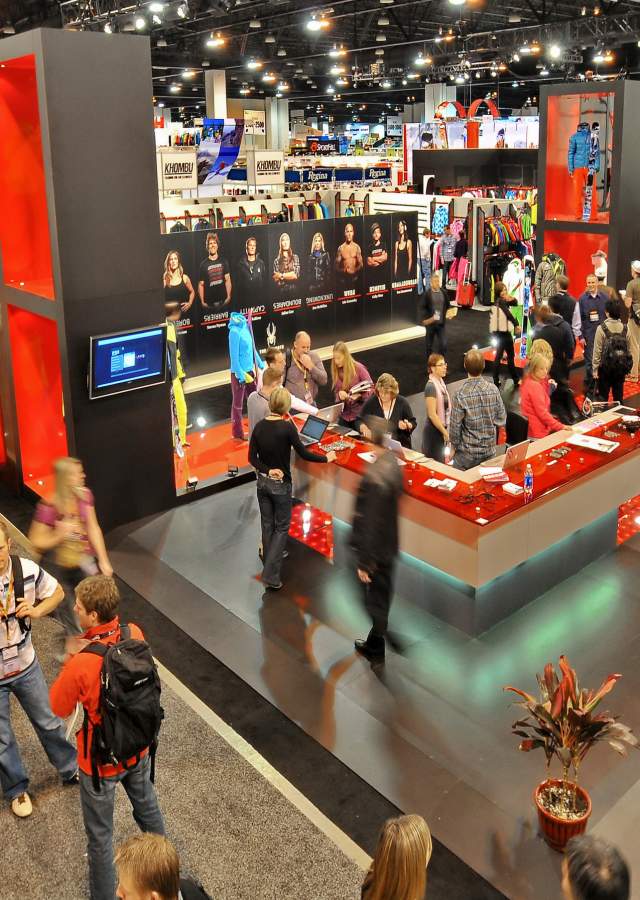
x=125, y=633
x=605, y=331
x=18, y=577
x=97, y=648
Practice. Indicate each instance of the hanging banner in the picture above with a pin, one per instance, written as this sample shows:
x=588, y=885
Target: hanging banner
x=317, y=176
x=329, y=147
x=255, y=122
x=394, y=126
x=177, y=170
x=265, y=167
x=377, y=173
x=219, y=149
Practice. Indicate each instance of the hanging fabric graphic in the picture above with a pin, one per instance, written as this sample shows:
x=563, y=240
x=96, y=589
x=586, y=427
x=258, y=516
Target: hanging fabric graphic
x=218, y=149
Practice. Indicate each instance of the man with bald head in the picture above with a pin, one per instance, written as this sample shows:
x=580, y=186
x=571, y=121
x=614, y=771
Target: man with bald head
x=304, y=372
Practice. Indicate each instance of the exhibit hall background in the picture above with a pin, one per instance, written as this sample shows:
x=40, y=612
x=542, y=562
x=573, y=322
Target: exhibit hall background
x=330, y=299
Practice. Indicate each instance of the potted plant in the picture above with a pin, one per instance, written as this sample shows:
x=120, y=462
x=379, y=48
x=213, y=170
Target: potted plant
x=563, y=722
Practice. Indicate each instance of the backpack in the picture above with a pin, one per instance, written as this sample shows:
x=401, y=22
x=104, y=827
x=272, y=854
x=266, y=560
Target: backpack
x=130, y=708
x=616, y=360
x=18, y=593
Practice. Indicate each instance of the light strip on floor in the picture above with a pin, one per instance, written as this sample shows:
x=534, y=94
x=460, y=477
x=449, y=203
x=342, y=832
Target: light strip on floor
x=344, y=843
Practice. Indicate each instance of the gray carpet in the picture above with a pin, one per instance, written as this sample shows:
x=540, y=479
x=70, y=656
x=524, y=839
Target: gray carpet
x=234, y=831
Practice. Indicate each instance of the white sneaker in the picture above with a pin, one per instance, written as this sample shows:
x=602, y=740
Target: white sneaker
x=21, y=806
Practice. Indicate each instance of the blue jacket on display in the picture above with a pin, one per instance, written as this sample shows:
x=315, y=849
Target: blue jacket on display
x=243, y=357
x=579, y=150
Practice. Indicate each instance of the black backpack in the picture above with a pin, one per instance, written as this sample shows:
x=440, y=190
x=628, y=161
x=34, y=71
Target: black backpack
x=130, y=708
x=616, y=360
x=18, y=593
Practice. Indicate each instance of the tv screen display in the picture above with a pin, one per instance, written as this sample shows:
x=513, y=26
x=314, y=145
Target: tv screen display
x=127, y=360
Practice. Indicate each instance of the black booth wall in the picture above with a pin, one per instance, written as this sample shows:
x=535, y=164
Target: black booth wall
x=467, y=168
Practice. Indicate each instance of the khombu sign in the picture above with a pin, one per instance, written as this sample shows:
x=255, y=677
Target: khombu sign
x=177, y=170
x=265, y=167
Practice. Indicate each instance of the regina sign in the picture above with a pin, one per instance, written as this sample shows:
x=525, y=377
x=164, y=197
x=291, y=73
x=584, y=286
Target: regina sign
x=177, y=170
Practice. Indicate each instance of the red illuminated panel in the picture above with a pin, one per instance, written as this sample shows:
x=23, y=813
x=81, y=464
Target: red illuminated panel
x=3, y=450
x=576, y=249
x=563, y=193
x=38, y=393
x=24, y=223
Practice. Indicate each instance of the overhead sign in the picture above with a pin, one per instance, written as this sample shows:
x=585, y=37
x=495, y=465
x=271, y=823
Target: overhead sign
x=377, y=173
x=178, y=170
x=255, y=122
x=329, y=147
x=265, y=167
x=317, y=176
x=394, y=126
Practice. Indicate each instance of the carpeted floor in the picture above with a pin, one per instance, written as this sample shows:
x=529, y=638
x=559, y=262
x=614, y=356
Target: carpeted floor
x=233, y=829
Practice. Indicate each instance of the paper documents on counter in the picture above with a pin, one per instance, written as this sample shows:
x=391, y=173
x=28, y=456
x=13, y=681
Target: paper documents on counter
x=588, y=442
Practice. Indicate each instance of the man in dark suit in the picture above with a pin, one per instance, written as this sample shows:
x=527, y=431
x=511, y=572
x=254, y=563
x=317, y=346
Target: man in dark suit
x=567, y=306
x=374, y=537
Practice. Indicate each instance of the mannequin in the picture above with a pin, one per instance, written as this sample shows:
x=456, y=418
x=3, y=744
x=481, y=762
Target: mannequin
x=583, y=159
x=513, y=279
x=243, y=361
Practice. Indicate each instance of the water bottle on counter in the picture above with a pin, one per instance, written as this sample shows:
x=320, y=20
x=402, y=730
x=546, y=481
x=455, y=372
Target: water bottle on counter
x=528, y=483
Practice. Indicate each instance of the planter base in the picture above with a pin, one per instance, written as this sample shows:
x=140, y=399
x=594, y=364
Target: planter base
x=556, y=830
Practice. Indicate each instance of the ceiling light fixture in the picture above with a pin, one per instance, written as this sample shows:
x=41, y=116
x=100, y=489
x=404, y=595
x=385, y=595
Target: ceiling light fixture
x=457, y=2
x=386, y=83
x=268, y=77
x=162, y=42
x=254, y=64
x=438, y=37
x=314, y=24
x=342, y=81
x=413, y=75
x=140, y=23
x=544, y=71
x=270, y=39
x=255, y=23
x=156, y=7
x=215, y=40
x=281, y=52
x=175, y=88
x=383, y=21
x=380, y=37
x=107, y=28
x=337, y=51
x=598, y=56
x=555, y=51
x=182, y=11
x=156, y=20
x=283, y=86
x=450, y=36
x=188, y=73
x=336, y=70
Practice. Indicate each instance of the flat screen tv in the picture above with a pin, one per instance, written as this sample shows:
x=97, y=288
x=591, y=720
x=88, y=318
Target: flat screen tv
x=127, y=361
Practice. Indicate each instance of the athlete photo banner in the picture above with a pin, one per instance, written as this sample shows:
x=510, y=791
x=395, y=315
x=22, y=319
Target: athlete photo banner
x=338, y=279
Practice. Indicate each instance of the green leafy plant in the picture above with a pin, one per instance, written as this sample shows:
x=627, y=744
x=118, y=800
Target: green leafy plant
x=563, y=721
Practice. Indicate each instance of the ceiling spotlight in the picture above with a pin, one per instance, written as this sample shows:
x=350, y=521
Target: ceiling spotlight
x=502, y=67
x=596, y=10
x=438, y=37
x=215, y=40
x=331, y=89
x=283, y=86
x=478, y=75
x=404, y=81
x=162, y=42
x=182, y=11
x=254, y=64
x=450, y=36
x=598, y=56
x=336, y=70
x=535, y=47
x=386, y=83
x=380, y=37
x=160, y=105
x=270, y=39
x=413, y=75
x=317, y=24
x=140, y=23
x=9, y=29
x=379, y=51
x=342, y=81
x=156, y=20
x=255, y=23
x=268, y=77
x=175, y=88
x=107, y=28
x=383, y=21
x=337, y=51
x=281, y=52
x=459, y=79
x=244, y=89
x=516, y=57
x=188, y=73
x=544, y=71
x=457, y=2
x=525, y=49
x=515, y=84
x=555, y=51
x=156, y=7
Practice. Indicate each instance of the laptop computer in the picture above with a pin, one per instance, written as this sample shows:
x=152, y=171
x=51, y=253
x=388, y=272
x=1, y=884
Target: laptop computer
x=313, y=430
x=331, y=414
x=516, y=455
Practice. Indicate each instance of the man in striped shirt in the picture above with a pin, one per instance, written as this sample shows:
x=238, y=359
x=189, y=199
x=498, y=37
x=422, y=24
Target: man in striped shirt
x=477, y=411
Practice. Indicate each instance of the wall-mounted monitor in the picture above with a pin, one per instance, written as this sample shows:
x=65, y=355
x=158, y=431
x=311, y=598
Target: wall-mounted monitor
x=127, y=361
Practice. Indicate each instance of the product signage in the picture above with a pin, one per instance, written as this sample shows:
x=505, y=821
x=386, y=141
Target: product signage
x=178, y=170
x=330, y=147
x=377, y=173
x=255, y=122
x=354, y=276
x=394, y=126
x=348, y=174
x=265, y=167
x=218, y=149
x=317, y=176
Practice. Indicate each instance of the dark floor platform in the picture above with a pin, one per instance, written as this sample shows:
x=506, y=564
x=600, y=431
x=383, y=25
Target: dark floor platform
x=431, y=731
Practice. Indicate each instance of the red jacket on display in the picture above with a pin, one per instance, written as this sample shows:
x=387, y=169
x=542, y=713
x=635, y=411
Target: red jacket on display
x=79, y=681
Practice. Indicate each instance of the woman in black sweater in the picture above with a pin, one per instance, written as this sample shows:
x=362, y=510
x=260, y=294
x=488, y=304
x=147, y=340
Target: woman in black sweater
x=270, y=448
x=387, y=403
x=501, y=321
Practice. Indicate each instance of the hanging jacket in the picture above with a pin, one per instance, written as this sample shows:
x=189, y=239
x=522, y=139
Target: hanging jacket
x=241, y=350
x=579, y=147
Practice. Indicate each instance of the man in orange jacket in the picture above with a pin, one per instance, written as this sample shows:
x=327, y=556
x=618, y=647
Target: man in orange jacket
x=97, y=603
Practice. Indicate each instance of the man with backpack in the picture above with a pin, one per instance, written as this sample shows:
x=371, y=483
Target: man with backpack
x=26, y=592
x=612, y=359
x=115, y=679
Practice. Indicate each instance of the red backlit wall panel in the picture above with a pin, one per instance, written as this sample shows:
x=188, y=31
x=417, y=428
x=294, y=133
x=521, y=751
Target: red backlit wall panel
x=38, y=393
x=576, y=249
x=24, y=223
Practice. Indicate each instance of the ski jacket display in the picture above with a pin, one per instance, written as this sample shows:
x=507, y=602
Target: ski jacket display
x=580, y=150
x=241, y=349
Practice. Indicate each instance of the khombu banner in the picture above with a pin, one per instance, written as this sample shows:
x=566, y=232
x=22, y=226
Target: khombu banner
x=338, y=279
x=178, y=169
x=265, y=167
x=255, y=122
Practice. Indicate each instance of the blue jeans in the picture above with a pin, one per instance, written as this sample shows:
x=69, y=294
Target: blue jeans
x=424, y=276
x=97, y=812
x=30, y=690
x=274, y=500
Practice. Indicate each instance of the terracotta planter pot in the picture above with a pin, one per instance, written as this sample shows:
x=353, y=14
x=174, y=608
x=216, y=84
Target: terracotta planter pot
x=556, y=831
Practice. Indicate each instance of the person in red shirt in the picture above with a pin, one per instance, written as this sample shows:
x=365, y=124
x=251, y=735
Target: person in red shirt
x=97, y=604
x=535, y=400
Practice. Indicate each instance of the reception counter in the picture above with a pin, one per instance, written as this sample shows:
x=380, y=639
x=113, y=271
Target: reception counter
x=482, y=553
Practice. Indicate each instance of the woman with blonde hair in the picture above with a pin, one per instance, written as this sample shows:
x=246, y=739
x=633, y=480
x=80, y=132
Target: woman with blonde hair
x=387, y=403
x=319, y=265
x=347, y=374
x=66, y=532
x=177, y=284
x=399, y=867
x=286, y=266
x=542, y=347
x=535, y=397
